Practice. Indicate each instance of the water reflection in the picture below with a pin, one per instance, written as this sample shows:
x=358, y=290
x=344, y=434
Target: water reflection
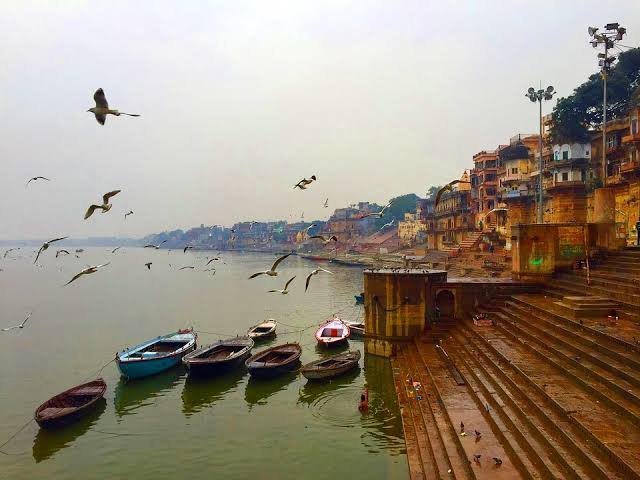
x=325, y=351
x=47, y=442
x=130, y=395
x=258, y=390
x=199, y=393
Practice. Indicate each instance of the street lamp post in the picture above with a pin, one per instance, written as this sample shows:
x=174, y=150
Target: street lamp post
x=539, y=96
x=613, y=33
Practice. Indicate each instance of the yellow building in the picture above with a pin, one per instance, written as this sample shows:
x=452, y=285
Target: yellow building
x=408, y=228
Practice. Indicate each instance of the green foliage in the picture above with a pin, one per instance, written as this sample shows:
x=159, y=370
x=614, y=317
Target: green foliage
x=575, y=115
x=433, y=191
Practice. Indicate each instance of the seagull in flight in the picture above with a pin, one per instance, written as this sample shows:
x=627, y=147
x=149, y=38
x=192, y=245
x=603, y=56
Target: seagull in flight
x=326, y=203
x=130, y=212
x=272, y=271
x=59, y=252
x=314, y=272
x=302, y=184
x=182, y=268
x=101, y=110
x=105, y=207
x=325, y=240
x=115, y=249
x=286, y=285
x=16, y=326
x=211, y=260
x=379, y=214
x=86, y=271
x=33, y=179
x=9, y=251
x=150, y=245
x=388, y=224
x=148, y=265
x=448, y=188
x=188, y=247
x=45, y=246
x=309, y=228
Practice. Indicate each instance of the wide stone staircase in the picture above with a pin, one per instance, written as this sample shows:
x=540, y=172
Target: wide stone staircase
x=553, y=386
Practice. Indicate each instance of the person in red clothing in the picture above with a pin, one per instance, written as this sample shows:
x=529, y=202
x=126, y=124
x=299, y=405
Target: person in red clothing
x=363, y=406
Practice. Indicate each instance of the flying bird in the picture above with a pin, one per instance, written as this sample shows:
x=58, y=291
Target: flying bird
x=211, y=260
x=33, y=179
x=324, y=239
x=130, y=212
x=148, y=265
x=188, y=247
x=379, y=214
x=326, y=203
x=314, y=272
x=388, y=224
x=150, y=245
x=9, y=251
x=115, y=249
x=284, y=291
x=86, y=271
x=448, y=188
x=308, y=228
x=271, y=272
x=302, y=184
x=105, y=207
x=101, y=110
x=66, y=252
x=16, y=326
x=182, y=268
x=45, y=246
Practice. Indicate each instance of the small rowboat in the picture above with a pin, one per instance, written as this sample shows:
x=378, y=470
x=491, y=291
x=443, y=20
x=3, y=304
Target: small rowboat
x=224, y=355
x=70, y=404
x=275, y=360
x=331, y=367
x=157, y=355
x=265, y=329
x=357, y=328
x=333, y=332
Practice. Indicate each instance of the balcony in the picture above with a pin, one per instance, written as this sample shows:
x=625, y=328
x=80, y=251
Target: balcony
x=631, y=138
x=515, y=177
x=630, y=167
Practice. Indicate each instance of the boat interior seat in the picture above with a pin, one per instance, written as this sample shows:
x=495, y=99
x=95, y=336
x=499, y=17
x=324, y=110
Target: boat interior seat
x=87, y=391
x=53, y=411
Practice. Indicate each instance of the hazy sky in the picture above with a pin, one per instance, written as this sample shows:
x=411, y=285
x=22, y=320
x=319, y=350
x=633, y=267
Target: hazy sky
x=241, y=99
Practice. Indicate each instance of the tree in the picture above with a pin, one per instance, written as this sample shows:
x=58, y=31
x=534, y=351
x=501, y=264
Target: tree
x=399, y=206
x=433, y=191
x=575, y=115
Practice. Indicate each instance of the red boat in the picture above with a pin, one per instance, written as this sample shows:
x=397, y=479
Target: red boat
x=333, y=332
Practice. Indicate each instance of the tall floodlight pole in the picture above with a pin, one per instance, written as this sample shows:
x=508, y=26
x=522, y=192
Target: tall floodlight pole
x=539, y=96
x=613, y=33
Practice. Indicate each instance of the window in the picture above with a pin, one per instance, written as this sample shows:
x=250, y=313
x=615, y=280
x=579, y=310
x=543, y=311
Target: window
x=611, y=141
x=565, y=155
x=634, y=126
x=565, y=176
x=556, y=155
x=556, y=177
x=586, y=153
x=514, y=170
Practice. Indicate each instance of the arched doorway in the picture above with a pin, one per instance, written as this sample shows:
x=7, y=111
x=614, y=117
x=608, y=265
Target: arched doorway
x=446, y=302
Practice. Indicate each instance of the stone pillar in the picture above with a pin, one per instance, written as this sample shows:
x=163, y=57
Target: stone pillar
x=396, y=306
x=604, y=205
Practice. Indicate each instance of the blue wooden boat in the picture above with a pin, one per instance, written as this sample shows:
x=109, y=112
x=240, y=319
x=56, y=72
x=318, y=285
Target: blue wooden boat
x=156, y=355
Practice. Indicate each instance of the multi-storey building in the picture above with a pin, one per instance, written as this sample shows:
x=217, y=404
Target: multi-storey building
x=484, y=183
x=453, y=216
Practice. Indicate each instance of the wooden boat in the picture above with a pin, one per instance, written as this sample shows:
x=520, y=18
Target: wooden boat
x=156, y=355
x=265, y=329
x=70, y=404
x=357, y=328
x=275, y=360
x=333, y=332
x=331, y=367
x=224, y=355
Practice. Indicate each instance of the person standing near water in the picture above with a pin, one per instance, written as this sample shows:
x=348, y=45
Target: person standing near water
x=363, y=406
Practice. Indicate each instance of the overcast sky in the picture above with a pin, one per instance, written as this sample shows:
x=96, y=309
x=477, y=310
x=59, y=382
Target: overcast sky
x=241, y=99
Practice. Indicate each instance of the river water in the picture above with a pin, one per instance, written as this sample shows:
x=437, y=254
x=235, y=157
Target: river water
x=170, y=426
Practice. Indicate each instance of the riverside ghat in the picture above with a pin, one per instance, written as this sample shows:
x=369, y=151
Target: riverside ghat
x=527, y=377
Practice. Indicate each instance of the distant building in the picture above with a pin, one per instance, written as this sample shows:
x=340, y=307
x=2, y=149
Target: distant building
x=453, y=216
x=484, y=183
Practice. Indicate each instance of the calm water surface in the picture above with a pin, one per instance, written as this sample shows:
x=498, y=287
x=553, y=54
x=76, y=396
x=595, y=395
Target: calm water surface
x=171, y=425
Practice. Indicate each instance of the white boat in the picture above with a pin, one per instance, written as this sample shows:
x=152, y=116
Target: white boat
x=333, y=332
x=265, y=329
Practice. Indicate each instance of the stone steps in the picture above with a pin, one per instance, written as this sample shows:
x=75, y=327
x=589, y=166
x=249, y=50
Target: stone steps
x=580, y=413
x=564, y=437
